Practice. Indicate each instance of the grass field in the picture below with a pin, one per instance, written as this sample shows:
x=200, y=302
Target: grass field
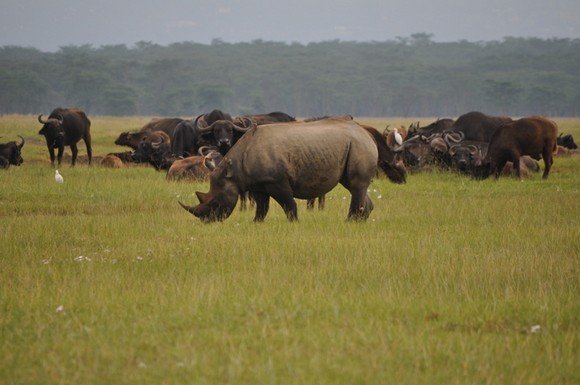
x=106, y=280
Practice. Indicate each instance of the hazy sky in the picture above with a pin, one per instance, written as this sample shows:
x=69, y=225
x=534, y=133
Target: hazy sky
x=50, y=24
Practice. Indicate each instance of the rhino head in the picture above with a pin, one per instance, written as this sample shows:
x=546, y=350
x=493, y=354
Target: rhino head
x=221, y=199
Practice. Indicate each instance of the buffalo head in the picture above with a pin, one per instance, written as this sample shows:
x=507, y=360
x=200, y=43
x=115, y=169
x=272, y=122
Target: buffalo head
x=224, y=131
x=465, y=158
x=53, y=130
x=566, y=141
x=220, y=201
x=11, y=153
x=130, y=139
x=158, y=154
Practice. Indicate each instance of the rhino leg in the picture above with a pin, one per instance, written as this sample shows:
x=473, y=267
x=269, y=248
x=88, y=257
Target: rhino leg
x=360, y=205
x=282, y=193
x=262, y=205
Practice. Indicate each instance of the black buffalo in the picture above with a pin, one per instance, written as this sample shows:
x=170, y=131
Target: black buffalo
x=272, y=117
x=65, y=127
x=478, y=126
x=468, y=155
x=158, y=154
x=437, y=127
x=150, y=132
x=566, y=141
x=213, y=129
x=10, y=153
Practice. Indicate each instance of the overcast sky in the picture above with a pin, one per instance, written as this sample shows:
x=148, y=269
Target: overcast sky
x=50, y=24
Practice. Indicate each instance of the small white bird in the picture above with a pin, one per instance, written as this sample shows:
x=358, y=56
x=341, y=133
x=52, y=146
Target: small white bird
x=398, y=137
x=57, y=177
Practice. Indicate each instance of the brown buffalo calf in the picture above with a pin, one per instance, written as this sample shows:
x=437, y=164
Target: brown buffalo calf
x=562, y=151
x=534, y=136
x=112, y=161
x=194, y=168
x=527, y=166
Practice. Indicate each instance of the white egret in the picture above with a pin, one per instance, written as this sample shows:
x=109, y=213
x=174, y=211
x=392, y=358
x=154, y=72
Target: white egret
x=57, y=177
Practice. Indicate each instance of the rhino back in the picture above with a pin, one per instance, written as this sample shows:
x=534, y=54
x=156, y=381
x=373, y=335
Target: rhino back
x=314, y=157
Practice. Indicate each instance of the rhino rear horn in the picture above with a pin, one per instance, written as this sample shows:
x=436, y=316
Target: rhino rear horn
x=201, y=196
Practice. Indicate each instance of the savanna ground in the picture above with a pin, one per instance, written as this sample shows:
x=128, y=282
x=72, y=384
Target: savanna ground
x=106, y=280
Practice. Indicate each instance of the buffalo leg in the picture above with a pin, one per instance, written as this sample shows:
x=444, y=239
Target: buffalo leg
x=283, y=195
x=87, y=140
x=51, y=153
x=548, y=160
x=262, y=205
x=75, y=151
x=499, y=166
x=59, y=155
x=516, y=163
x=321, y=202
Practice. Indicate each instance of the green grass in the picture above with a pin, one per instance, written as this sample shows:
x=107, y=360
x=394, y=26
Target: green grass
x=440, y=286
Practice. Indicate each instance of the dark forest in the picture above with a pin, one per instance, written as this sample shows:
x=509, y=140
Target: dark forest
x=411, y=76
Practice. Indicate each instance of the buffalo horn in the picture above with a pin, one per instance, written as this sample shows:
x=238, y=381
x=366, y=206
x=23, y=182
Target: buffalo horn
x=249, y=124
x=451, y=137
x=386, y=130
x=473, y=149
x=50, y=120
x=205, y=150
x=452, y=150
x=21, y=144
x=430, y=137
x=209, y=163
x=156, y=145
x=196, y=125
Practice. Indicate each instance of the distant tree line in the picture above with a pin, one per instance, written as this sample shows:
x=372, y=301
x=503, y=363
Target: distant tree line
x=411, y=76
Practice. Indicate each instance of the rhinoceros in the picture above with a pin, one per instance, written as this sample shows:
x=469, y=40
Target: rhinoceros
x=292, y=160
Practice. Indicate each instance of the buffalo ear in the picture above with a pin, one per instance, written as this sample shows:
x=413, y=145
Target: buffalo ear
x=202, y=197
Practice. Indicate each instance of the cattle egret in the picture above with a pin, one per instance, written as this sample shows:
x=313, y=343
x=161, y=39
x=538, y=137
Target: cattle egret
x=398, y=137
x=57, y=177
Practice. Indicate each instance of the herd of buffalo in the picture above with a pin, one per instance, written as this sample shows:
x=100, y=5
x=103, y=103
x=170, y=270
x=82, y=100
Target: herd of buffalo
x=274, y=155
